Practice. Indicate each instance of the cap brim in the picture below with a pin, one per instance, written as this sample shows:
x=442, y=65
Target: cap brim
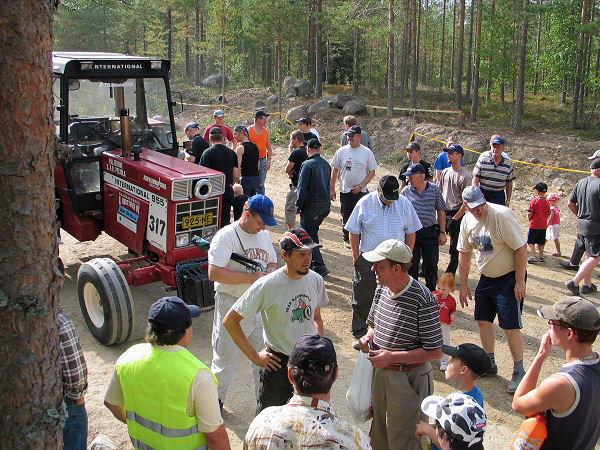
x=374, y=256
x=390, y=198
x=194, y=310
x=546, y=312
x=476, y=203
x=430, y=404
x=268, y=220
x=449, y=350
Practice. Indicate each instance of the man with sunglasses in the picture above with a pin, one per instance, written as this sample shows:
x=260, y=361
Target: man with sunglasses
x=571, y=397
x=247, y=237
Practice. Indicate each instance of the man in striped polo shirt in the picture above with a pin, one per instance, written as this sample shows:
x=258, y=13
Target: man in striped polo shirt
x=404, y=335
x=429, y=205
x=494, y=173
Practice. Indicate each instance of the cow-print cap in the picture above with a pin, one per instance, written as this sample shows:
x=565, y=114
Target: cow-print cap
x=459, y=415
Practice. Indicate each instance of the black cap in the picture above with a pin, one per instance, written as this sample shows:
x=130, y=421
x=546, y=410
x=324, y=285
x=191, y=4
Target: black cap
x=595, y=164
x=315, y=353
x=353, y=130
x=473, y=356
x=303, y=120
x=172, y=313
x=542, y=187
x=414, y=145
x=297, y=239
x=240, y=128
x=389, y=187
x=260, y=113
x=313, y=143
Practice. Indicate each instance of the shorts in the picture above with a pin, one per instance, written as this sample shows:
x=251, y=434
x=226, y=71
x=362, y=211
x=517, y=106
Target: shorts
x=497, y=296
x=536, y=236
x=592, y=245
x=553, y=232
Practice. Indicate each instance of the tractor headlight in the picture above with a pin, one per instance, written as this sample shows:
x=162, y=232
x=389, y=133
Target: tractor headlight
x=182, y=240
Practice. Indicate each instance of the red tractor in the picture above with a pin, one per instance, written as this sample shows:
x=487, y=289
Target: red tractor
x=118, y=172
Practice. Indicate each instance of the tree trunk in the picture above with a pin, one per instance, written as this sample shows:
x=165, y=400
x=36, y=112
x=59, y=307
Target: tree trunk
x=197, y=44
x=424, y=78
x=536, y=80
x=475, y=97
x=202, y=41
x=470, y=49
x=188, y=60
x=30, y=375
x=459, y=55
x=414, y=63
x=574, y=109
x=452, y=58
x=169, y=35
x=278, y=59
x=390, y=68
x=327, y=60
x=223, y=52
x=318, y=51
x=518, y=111
x=442, y=47
x=356, y=62
x=311, y=43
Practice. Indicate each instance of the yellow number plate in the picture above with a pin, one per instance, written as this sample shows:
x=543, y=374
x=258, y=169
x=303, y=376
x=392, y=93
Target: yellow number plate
x=199, y=220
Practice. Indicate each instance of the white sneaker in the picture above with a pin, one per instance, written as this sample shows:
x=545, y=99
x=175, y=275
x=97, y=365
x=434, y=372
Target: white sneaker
x=443, y=365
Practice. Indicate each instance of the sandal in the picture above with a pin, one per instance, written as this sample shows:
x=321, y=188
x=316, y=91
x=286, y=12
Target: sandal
x=556, y=254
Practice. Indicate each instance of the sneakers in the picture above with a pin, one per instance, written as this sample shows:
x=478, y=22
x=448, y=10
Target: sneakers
x=356, y=345
x=347, y=244
x=443, y=365
x=570, y=285
x=588, y=289
x=514, y=381
x=567, y=265
x=533, y=259
x=491, y=372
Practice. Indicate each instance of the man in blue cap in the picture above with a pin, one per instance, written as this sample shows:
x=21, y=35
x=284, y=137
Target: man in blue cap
x=174, y=408
x=248, y=237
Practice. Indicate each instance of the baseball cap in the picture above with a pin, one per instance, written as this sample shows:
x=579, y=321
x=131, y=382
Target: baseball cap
x=303, y=120
x=263, y=206
x=458, y=414
x=172, y=312
x=473, y=197
x=315, y=353
x=260, y=113
x=595, y=164
x=353, y=130
x=414, y=169
x=595, y=155
x=473, y=356
x=218, y=113
x=240, y=128
x=454, y=148
x=389, y=186
x=542, y=187
x=498, y=141
x=297, y=239
x=313, y=143
x=191, y=125
x=575, y=311
x=393, y=249
x=414, y=145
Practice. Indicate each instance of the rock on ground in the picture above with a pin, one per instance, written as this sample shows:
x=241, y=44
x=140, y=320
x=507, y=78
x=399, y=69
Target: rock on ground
x=297, y=112
x=355, y=107
x=213, y=80
x=321, y=105
x=303, y=88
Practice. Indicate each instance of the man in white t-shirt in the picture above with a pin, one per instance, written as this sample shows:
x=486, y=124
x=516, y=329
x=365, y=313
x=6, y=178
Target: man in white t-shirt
x=248, y=238
x=355, y=164
x=289, y=301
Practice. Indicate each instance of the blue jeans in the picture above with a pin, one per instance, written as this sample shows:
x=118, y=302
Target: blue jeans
x=497, y=197
x=250, y=185
x=262, y=176
x=311, y=219
x=76, y=427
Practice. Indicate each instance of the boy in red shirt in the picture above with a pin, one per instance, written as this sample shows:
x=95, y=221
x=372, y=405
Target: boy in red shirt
x=537, y=213
x=447, y=307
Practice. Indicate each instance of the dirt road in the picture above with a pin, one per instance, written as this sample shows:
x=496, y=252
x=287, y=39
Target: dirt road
x=544, y=286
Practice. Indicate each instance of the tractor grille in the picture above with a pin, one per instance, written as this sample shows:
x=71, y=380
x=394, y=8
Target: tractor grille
x=182, y=189
x=200, y=217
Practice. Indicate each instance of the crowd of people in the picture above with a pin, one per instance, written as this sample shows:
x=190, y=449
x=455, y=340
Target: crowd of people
x=273, y=316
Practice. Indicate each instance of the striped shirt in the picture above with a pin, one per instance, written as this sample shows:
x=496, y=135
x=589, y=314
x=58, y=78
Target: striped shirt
x=376, y=222
x=493, y=177
x=407, y=321
x=426, y=203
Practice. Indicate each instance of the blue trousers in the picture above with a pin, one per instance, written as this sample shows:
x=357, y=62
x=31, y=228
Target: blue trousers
x=311, y=219
x=76, y=427
x=262, y=176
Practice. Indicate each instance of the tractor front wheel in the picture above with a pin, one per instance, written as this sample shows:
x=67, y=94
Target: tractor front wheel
x=105, y=300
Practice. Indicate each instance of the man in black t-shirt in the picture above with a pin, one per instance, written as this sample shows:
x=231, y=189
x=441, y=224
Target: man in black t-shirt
x=222, y=158
x=413, y=152
x=304, y=125
x=199, y=144
x=297, y=156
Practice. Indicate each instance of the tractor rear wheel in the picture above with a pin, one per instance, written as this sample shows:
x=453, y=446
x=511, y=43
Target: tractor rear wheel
x=105, y=300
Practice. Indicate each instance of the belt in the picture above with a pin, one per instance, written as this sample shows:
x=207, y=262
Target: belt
x=403, y=367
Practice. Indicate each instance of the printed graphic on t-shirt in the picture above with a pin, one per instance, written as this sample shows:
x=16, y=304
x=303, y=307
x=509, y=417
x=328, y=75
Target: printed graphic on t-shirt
x=482, y=243
x=259, y=256
x=300, y=309
x=348, y=165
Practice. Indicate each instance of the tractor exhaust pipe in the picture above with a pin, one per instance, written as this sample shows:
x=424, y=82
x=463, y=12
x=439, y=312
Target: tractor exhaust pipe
x=125, y=134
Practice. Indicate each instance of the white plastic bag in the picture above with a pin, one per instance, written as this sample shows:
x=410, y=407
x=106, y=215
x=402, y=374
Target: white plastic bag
x=358, y=396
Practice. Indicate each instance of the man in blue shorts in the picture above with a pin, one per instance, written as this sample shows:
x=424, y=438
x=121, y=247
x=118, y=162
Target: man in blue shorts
x=494, y=233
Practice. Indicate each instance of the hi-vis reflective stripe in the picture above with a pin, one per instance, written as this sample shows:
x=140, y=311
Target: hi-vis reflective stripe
x=159, y=428
x=140, y=445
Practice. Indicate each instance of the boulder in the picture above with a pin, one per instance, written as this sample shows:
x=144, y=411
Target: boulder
x=339, y=100
x=558, y=182
x=273, y=99
x=291, y=91
x=288, y=82
x=319, y=106
x=102, y=442
x=213, y=80
x=303, y=88
x=354, y=107
x=259, y=104
x=290, y=97
x=297, y=112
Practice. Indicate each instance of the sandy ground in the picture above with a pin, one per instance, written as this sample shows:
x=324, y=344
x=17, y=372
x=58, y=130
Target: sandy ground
x=544, y=286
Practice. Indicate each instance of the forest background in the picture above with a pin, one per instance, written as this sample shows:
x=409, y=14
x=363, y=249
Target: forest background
x=523, y=62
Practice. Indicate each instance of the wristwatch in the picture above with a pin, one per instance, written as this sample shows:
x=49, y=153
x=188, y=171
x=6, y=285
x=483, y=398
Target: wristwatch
x=361, y=186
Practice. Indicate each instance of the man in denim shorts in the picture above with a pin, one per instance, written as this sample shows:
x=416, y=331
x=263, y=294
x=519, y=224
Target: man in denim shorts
x=494, y=233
